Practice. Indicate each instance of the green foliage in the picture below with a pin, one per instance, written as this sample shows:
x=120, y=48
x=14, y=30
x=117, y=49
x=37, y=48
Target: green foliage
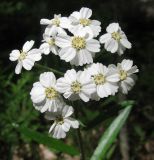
x=110, y=135
x=50, y=142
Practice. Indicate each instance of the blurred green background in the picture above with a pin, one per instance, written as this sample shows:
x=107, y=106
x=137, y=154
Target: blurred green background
x=20, y=22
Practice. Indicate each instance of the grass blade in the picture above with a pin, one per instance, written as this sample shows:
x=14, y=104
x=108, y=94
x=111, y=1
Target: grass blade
x=110, y=134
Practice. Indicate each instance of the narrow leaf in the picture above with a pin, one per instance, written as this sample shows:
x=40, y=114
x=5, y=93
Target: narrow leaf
x=110, y=135
x=48, y=141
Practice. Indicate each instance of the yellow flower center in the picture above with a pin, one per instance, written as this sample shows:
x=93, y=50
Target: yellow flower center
x=78, y=43
x=22, y=56
x=56, y=22
x=99, y=79
x=51, y=42
x=76, y=87
x=123, y=75
x=85, y=22
x=51, y=93
x=59, y=119
x=116, y=36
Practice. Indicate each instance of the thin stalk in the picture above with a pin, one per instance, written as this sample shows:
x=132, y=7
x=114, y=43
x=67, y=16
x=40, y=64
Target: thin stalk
x=50, y=69
x=80, y=140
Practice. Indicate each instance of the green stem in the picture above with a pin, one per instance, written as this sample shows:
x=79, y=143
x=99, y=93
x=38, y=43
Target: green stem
x=50, y=69
x=80, y=141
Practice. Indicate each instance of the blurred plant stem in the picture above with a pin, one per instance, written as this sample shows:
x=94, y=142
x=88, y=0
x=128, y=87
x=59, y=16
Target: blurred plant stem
x=79, y=135
x=50, y=69
x=124, y=145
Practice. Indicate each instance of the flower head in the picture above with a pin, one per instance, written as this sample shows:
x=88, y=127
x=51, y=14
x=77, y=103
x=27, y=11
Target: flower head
x=82, y=18
x=76, y=85
x=48, y=44
x=44, y=93
x=115, y=39
x=62, y=121
x=26, y=57
x=79, y=48
x=126, y=71
x=58, y=24
x=104, y=79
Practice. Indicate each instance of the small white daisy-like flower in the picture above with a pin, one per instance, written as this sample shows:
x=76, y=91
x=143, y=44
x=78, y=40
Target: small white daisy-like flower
x=48, y=44
x=58, y=24
x=78, y=49
x=26, y=57
x=62, y=121
x=104, y=79
x=76, y=85
x=126, y=71
x=81, y=18
x=115, y=39
x=44, y=94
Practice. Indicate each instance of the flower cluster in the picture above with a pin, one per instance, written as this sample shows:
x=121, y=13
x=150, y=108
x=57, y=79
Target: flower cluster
x=74, y=40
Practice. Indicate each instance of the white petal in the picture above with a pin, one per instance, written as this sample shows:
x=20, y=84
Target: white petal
x=52, y=127
x=66, y=126
x=126, y=64
x=93, y=45
x=105, y=37
x=64, y=22
x=45, y=48
x=14, y=55
x=18, y=67
x=67, y=53
x=75, y=15
x=125, y=43
x=63, y=41
x=74, y=123
x=48, y=79
x=34, y=54
x=102, y=91
x=134, y=69
x=96, y=30
x=45, y=21
x=62, y=85
x=85, y=12
x=111, y=45
x=27, y=46
x=28, y=64
x=85, y=97
x=113, y=27
x=37, y=94
x=67, y=111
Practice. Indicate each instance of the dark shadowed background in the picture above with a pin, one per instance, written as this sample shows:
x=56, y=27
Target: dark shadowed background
x=20, y=21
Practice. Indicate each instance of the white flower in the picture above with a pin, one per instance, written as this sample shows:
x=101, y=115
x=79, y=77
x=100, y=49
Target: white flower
x=26, y=57
x=76, y=85
x=62, y=121
x=49, y=43
x=81, y=18
x=78, y=49
x=115, y=39
x=104, y=79
x=58, y=23
x=126, y=71
x=44, y=93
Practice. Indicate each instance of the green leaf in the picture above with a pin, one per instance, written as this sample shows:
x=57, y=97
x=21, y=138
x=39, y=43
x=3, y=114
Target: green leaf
x=110, y=135
x=48, y=141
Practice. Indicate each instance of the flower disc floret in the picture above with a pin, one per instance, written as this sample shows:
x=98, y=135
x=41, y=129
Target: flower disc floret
x=76, y=87
x=116, y=36
x=85, y=22
x=99, y=79
x=51, y=42
x=59, y=119
x=123, y=75
x=51, y=93
x=78, y=43
x=22, y=55
x=56, y=22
